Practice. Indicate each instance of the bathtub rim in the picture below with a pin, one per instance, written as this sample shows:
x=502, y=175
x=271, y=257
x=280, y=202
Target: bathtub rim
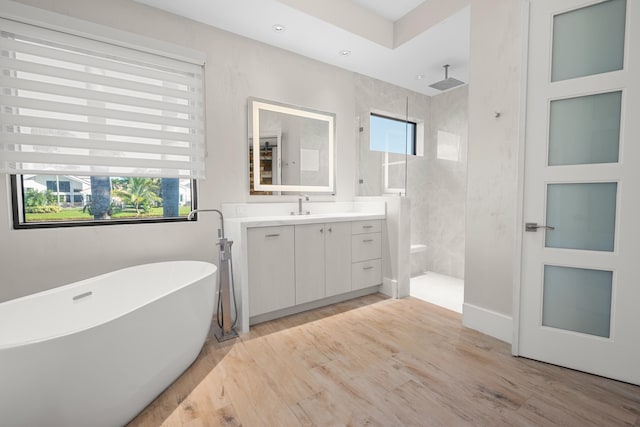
x=211, y=270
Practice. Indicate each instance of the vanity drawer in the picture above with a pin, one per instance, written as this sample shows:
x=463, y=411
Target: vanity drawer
x=365, y=274
x=371, y=226
x=366, y=246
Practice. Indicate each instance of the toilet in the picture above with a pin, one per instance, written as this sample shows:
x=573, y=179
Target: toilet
x=418, y=255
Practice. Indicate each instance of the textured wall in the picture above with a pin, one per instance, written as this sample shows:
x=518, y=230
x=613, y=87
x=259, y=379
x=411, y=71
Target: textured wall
x=437, y=185
x=372, y=95
x=495, y=81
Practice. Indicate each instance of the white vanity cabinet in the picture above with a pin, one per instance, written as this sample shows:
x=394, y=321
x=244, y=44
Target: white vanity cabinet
x=271, y=268
x=366, y=254
x=300, y=264
x=323, y=260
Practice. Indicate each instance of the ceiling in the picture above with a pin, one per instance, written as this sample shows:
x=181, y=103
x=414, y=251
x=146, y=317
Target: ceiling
x=403, y=42
x=391, y=10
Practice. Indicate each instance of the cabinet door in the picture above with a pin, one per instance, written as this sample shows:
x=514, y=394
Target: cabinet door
x=309, y=262
x=337, y=258
x=271, y=269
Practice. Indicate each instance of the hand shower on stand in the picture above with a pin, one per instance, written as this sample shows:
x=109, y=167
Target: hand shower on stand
x=226, y=291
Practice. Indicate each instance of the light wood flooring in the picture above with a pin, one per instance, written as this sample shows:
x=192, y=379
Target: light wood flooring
x=382, y=362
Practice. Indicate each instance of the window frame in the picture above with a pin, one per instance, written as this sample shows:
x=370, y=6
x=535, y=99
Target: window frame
x=414, y=142
x=51, y=21
x=19, y=223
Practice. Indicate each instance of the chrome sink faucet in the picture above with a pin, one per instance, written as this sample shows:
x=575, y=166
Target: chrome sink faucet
x=300, y=211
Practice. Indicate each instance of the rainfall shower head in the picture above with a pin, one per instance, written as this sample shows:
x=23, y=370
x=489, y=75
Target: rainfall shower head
x=448, y=82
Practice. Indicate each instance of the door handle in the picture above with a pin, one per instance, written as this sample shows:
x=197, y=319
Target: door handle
x=533, y=227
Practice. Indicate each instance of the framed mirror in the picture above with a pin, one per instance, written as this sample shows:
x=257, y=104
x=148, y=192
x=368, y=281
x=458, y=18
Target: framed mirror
x=291, y=149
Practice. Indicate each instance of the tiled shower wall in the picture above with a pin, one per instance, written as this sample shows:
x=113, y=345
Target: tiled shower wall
x=437, y=185
x=393, y=101
x=437, y=180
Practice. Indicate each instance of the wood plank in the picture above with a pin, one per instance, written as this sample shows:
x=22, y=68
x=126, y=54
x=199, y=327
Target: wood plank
x=379, y=361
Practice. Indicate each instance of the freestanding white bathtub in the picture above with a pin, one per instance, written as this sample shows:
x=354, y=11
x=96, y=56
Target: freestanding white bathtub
x=96, y=352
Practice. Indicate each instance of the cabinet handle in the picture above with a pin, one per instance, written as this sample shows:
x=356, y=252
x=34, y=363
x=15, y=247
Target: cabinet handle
x=330, y=230
x=367, y=226
x=368, y=268
x=367, y=241
x=272, y=235
x=322, y=230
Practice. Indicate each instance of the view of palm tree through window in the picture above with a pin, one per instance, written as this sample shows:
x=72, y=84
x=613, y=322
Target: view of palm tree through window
x=48, y=198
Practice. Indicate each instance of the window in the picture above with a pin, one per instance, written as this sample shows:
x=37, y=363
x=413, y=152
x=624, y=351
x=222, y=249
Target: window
x=59, y=186
x=392, y=135
x=121, y=199
x=95, y=130
x=396, y=138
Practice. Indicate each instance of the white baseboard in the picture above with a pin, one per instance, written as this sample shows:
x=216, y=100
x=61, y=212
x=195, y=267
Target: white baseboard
x=311, y=305
x=488, y=322
x=389, y=287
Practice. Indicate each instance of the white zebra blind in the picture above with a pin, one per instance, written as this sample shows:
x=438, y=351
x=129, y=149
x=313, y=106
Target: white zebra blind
x=72, y=105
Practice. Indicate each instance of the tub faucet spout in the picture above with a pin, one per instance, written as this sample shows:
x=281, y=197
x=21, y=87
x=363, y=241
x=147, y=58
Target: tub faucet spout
x=221, y=230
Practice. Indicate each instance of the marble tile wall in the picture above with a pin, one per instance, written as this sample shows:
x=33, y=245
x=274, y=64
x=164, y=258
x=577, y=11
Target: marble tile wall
x=436, y=181
x=383, y=98
x=437, y=185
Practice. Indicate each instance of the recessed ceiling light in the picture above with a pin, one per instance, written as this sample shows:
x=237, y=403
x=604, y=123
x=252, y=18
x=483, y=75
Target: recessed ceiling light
x=420, y=77
x=279, y=28
x=344, y=52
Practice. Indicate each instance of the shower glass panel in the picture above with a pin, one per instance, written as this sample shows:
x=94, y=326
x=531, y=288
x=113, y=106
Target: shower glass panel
x=387, y=140
x=577, y=299
x=589, y=40
x=585, y=129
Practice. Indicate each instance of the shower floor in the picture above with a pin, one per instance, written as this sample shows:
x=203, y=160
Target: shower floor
x=438, y=289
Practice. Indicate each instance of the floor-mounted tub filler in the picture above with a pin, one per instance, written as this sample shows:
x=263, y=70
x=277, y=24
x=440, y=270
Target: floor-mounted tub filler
x=96, y=352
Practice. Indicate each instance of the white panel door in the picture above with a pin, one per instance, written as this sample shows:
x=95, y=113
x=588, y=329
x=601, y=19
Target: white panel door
x=580, y=283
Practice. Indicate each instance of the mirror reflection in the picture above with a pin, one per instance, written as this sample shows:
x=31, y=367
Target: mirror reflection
x=294, y=150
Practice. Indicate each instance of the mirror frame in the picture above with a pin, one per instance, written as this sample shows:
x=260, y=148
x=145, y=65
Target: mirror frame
x=255, y=105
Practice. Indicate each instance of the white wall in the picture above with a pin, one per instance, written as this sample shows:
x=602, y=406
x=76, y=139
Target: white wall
x=35, y=260
x=495, y=80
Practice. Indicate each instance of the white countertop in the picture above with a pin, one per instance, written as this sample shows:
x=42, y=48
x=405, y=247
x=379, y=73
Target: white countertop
x=272, y=221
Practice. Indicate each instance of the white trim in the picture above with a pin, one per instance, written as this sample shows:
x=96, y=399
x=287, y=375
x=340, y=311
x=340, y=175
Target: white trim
x=488, y=322
x=254, y=320
x=66, y=24
x=522, y=127
x=389, y=287
x=256, y=105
